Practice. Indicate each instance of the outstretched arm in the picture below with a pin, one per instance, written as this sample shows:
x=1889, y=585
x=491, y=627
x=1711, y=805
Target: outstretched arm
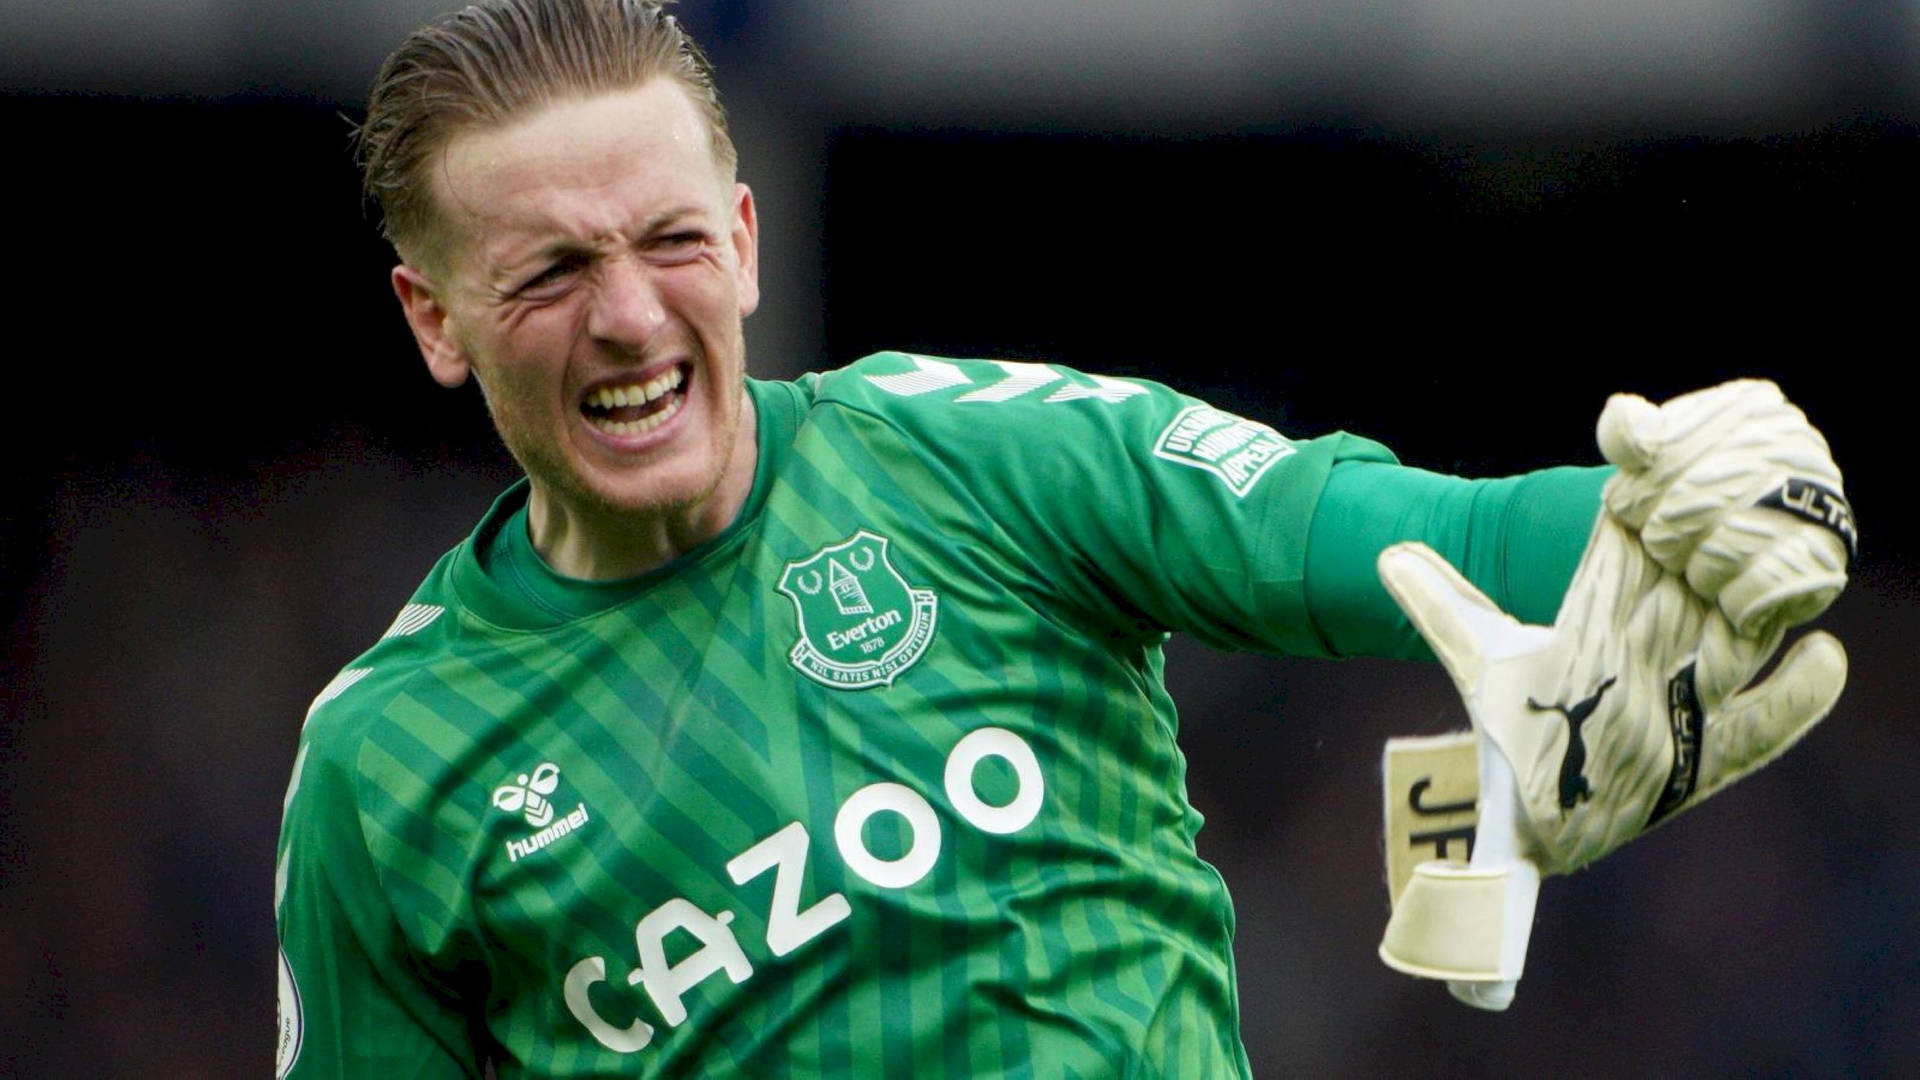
x=1516, y=538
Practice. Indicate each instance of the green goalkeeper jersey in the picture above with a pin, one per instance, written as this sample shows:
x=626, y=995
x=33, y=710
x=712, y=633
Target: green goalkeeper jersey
x=880, y=781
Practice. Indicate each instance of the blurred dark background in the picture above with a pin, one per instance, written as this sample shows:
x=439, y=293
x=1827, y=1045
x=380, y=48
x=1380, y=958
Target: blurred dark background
x=1453, y=227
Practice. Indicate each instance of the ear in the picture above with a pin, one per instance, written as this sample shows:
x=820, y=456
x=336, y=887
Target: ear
x=427, y=315
x=746, y=248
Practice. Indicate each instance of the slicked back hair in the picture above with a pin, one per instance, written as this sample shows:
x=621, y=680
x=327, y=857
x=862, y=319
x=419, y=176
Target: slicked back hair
x=498, y=60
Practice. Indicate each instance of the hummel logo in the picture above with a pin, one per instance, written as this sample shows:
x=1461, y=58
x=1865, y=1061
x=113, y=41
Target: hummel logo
x=528, y=792
x=1573, y=786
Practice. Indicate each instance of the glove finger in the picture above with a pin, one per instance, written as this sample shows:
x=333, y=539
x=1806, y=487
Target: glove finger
x=1728, y=660
x=1626, y=432
x=1657, y=451
x=1771, y=474
x=1454, y=617
x=1758, y=725
x=1725, y=548
x=1677, y=520
x=1763, y=580
x=1633, y=433
x=1721, y=408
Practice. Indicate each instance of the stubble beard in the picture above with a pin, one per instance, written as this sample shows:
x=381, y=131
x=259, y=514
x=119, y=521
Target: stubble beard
x=548, y=466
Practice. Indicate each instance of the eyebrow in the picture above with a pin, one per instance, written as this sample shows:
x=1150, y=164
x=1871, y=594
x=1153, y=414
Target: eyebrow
x=666, y=217
x=563, y=247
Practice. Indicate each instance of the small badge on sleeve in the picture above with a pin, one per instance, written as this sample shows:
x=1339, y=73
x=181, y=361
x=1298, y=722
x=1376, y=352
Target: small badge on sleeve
x=1236, y=450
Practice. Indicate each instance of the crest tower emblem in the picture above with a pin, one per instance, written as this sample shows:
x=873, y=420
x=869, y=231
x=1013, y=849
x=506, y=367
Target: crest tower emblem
x=860, y=623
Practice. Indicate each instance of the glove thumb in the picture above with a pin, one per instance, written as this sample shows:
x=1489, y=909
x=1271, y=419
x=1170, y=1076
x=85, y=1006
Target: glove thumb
x=1628, y=431
x=1761, y=723
x=1464, y=628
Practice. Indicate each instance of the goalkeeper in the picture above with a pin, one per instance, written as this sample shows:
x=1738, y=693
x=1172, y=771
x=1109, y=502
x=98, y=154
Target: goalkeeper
x=817, y=728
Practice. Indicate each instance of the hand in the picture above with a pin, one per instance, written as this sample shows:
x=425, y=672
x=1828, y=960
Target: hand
x=1626, y=711
x=1734, y=490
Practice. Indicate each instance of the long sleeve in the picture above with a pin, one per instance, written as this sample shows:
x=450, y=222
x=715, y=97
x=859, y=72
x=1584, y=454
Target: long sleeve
x=1517, y=538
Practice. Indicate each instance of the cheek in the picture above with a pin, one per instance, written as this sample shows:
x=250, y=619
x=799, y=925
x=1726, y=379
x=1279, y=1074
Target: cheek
x=529, y=333
x=532, y=347
x=520, y=395
x=708, y=286
x=712, y=307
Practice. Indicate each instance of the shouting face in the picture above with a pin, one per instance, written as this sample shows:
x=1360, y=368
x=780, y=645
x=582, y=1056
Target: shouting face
x=592, y=267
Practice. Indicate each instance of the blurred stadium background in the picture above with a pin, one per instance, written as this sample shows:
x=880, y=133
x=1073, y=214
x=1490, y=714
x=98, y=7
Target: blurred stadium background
x=1453, y=225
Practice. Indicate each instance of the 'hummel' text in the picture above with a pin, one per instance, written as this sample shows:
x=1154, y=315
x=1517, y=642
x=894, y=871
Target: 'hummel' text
x=518, y=848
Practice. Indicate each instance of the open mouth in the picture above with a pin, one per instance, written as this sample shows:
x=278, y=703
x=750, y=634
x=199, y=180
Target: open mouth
x=637, y=407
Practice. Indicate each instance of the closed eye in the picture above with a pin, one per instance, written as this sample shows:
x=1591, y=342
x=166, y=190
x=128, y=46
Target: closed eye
x=678, y=244
x=552, y=275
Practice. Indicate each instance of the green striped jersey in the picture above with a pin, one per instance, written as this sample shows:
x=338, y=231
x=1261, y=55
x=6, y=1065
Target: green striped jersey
x=880, y=781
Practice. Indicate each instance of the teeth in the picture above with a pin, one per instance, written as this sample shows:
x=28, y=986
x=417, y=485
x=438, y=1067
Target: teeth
x=666, y=382
x=636, y=427
x=616, y=396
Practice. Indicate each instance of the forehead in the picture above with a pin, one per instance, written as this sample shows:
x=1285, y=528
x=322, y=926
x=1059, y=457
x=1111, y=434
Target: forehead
x=580, y=165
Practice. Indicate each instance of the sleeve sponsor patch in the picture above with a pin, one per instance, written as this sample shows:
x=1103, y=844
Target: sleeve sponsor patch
x=1236, y=450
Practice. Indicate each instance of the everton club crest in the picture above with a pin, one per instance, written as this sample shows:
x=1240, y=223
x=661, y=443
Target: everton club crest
x=861, y=624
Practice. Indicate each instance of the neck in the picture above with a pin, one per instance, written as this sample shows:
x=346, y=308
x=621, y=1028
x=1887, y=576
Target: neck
x=608, y=543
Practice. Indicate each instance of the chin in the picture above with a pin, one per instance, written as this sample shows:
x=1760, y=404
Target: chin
x=659, y=490
x=584, y=481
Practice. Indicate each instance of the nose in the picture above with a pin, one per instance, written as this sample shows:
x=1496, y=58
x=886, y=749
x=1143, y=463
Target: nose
x=626, y=310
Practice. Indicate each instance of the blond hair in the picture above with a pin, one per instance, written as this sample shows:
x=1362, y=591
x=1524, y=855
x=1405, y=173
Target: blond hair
x=497, y=60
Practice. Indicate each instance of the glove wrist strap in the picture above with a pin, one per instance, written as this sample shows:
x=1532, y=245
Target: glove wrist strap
x=1463, y=924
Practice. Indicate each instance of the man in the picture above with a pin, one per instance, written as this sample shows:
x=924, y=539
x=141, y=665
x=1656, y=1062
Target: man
x=817, y=729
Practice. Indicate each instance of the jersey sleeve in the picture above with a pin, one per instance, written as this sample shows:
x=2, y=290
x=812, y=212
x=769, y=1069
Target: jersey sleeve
x=1132, y=502
x=351, y=1001
x=1517, y=538
x=1139, y=502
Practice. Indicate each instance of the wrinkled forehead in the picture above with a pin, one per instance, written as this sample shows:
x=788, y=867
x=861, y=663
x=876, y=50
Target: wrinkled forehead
x=542, y=168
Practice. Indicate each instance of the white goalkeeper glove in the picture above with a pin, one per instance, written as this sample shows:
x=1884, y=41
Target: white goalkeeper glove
x=1629, y=708
x=1625, y=712
x=1733, y=489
